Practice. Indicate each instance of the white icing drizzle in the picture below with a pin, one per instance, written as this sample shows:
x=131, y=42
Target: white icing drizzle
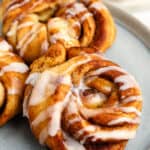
x=13, y=91
x=77, y=24
x=41, y=117
x=88, y=113
x=10, y=3
x=12, y=30
x=54, y=110
x=82, y=86
x=32, y=78
x=101, y=56
x=4, y=46
x=85, y=16
x=97, y=98
x=63, y=35
x=27, y=38
x=36, y=3
x=87, y=129
x=43, y=136
x=123, y=96
x=98, y=5
x=24, y=25
x=50, y=81
x=132, y=98
x=55, y=124
x=51, y=110
x=5, y=53
x=44, y=46
x=18, y=5
x=15, y=87
x=104, y=70
x=74, y=120
x=130, y=110
x=117, y=134
x=14, y=67
x=76, y=9
x=64, y=31
x=72, y=107
x=39, y=91
x=75, y=65
x=78, y=98
x=66, y=79
x=127, y=80
x=54, y=23
x=124, y=119
x=72, y=144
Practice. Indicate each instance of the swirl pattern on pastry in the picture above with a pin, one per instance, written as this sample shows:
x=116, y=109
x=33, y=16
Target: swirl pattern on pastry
x=13, y=73
x=88, y=102
x=32, y=25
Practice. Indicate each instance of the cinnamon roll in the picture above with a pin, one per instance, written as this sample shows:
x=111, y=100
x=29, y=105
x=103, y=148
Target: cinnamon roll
x=13, y=73
x=86, y=103
x=31, y=26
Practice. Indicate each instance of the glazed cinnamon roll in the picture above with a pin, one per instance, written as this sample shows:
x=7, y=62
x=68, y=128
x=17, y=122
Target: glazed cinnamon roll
x=86, y=103
x=13, y=73
x=31, y=26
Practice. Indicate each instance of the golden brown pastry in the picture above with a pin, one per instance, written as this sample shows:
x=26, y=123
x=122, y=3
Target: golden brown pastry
x=31, y=26
x=13, y=73
x=92, y=22
x=86, y=103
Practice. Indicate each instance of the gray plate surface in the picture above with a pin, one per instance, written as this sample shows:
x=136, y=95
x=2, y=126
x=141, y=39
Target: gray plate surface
x=131, y=53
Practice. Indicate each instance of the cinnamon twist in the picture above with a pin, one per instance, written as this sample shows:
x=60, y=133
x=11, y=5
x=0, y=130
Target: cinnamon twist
x=31, y=26
x=88, y=102
x=13, y=73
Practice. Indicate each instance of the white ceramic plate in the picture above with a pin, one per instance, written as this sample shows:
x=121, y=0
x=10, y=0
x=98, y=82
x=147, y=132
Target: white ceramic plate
x=131, y=53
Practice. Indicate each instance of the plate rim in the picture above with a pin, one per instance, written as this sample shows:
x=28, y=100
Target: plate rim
x=131, y=23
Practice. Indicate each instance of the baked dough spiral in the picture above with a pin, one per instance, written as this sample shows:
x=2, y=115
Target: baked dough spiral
x=31, y=26
x=13, y=73
x=86, y=103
